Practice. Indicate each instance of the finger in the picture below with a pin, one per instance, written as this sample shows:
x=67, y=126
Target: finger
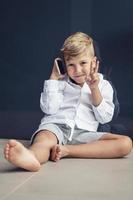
x=88, y=79
x=95, y=78
x=93, y=66
x=97, y=67
x=62, y=76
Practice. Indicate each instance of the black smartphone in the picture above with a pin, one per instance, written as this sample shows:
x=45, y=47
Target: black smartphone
x=60, y=66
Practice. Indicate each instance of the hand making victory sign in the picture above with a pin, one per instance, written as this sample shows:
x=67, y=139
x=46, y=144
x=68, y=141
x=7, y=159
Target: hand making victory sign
x=92, y=79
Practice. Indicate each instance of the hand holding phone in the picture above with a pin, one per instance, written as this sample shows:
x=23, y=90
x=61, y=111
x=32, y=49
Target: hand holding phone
x=58, y=71
x=60, y=66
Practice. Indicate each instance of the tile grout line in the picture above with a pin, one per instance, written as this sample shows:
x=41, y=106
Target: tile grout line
x=17, y=187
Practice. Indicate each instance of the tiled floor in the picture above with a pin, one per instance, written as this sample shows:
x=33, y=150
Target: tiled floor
x=69, y=179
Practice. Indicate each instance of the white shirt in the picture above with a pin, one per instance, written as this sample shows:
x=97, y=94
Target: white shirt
x=64, y=102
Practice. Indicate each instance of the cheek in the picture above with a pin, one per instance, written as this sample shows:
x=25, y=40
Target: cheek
x=87, y=69
x=70, y=71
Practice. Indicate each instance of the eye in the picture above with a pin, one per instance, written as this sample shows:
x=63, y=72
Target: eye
x=84, y=62
x=70, y=65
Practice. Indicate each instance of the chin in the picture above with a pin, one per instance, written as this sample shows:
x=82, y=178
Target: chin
x=80, y=82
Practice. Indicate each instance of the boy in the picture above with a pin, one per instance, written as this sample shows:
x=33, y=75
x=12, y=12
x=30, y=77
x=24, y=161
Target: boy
x=74, y=104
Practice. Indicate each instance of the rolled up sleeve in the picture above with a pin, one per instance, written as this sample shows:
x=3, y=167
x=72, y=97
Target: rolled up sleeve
x=105, y=110
x=51, y=97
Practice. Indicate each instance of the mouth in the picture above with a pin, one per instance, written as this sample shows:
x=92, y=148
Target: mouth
x=79, y=76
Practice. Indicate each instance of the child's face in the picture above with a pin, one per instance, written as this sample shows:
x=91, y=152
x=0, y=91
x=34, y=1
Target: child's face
x=78, y=67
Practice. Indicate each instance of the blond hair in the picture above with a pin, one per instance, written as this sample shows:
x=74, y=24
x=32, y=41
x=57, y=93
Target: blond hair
x=77, y=44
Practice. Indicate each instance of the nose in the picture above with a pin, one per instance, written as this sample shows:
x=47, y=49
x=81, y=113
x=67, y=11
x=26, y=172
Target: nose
x=78, y=69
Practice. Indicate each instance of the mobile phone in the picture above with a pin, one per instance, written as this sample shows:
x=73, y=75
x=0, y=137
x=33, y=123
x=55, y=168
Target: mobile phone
x=60, y=66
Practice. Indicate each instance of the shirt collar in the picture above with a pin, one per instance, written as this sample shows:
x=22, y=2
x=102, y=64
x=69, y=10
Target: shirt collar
x=72, y=83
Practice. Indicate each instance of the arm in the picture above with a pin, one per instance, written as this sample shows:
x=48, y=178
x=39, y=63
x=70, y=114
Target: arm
x=102, y=99
x=92, y=80
x=52, y=95
x=105, y=110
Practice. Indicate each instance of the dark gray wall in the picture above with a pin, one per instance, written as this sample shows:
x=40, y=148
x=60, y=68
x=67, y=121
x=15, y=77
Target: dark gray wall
x=112, y=27
x=32, y=32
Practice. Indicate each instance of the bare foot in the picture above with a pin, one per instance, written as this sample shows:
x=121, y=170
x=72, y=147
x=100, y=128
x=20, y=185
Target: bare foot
x=58, y=152
x=20, y=156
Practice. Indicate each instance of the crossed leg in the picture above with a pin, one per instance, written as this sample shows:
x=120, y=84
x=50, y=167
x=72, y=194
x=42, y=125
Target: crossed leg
x=45, y=147
x=109, y=146
x=31, y=158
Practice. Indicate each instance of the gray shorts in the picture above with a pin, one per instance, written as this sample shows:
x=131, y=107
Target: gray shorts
x=62, y=132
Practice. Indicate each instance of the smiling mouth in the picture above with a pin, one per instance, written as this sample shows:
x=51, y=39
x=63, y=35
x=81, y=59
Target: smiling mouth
x=79, y=76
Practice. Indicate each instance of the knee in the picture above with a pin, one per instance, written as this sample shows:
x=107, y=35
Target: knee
x=46, y=138
x=126, y=145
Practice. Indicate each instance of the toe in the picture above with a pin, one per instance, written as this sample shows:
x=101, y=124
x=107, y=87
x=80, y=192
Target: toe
x=58, y=153
x=57, y=158
x=53, y=153
x=58, y=149
x=6, y=153
x=7, y=146
x=6, y=156
x=12, y=143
